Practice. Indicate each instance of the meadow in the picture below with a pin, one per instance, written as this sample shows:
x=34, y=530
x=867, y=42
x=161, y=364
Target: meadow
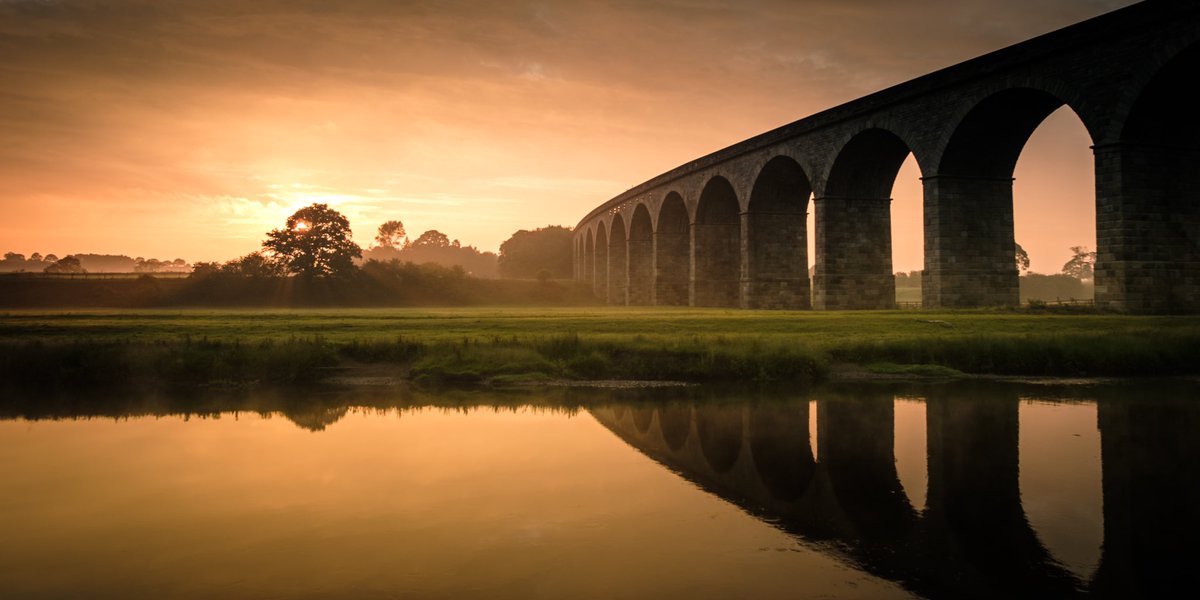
x=530, y=344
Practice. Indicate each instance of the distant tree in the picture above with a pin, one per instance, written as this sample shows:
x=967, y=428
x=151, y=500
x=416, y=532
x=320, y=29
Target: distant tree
x=152, y=265
x=431, y=239
x=1022, y=259
x=527, y=252
x=50, y=258
x=35, y=257
x=67, y=264
x=179, y=262
x=1082, y=264
x=315, y=243
x=391, y=234
x=14, y=256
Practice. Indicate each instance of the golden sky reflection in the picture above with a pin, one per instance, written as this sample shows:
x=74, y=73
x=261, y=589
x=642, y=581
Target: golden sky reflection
x=433, y=503
x=190, y=128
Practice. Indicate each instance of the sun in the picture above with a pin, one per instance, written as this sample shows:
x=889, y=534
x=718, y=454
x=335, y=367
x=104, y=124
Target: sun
x=300, y=227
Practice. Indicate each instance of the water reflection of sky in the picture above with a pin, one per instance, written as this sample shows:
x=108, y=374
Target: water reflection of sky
x=430, y=504
x=844, y=494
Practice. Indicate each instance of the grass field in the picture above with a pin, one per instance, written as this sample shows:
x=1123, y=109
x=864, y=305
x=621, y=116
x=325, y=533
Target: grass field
x=659, y=343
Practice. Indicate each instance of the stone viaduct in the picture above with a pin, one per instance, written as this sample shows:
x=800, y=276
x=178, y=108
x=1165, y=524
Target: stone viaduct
x=729, y=228
x=971, y=538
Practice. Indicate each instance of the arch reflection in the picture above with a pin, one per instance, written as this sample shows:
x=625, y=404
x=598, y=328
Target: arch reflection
x=973, y=538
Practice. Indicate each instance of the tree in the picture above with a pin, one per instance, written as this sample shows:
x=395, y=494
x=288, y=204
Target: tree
x=67, y=264
x=391, y=234
x=314, y=243
x=527, y=252
x=1022, y=259
x=35, y=257
x=14, y=256
x=50, y=258
x=1082, y=265
x=432, y=239
x=252, y=265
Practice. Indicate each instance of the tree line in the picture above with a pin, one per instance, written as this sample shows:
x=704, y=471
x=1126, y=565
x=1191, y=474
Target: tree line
x=15, y=262
x=315, y=243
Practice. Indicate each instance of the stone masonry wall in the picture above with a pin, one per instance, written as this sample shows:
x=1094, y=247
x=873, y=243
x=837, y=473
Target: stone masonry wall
x=854, y=254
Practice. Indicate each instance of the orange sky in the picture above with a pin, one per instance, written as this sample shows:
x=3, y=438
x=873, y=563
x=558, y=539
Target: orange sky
x=189, y=128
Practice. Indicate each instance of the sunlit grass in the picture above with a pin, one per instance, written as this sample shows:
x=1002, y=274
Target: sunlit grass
x=476, y=344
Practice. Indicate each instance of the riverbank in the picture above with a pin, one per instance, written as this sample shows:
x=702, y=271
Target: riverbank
x=530, y=344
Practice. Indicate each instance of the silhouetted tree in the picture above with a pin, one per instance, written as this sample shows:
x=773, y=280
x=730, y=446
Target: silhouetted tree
x=431, y=239
x=315, y=243
x=252, y=265
x=1022, y=259
x=527, y=252
x=391, y=234
x=67, y=264
x=50, y=258
x=35, y=257
x=14, y=256
x=1082, y=265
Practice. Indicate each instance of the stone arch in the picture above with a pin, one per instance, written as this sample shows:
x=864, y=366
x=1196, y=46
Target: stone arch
x=969, y=241
x=719, y=429
x=776, y=267
x=717, y=250
x=618, y=265
x=672, y=252
x=987, y=141
x=853, y=267
x=780, y=446
x=600, y=275
x=641, y=257
x=1148, y=197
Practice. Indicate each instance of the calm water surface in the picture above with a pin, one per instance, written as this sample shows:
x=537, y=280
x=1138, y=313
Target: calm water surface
x=943, y=491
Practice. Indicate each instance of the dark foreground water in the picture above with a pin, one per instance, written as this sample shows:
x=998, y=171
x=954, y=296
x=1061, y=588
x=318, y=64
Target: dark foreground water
x=942, y=491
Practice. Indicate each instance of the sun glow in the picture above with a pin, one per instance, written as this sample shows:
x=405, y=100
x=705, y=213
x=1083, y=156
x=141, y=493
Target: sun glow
x=300, y=227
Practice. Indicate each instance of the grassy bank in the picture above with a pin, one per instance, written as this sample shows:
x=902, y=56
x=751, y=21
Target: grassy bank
x=470, y=345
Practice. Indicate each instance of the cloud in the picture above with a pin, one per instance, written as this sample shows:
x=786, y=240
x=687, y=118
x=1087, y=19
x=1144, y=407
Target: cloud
x=559, y=104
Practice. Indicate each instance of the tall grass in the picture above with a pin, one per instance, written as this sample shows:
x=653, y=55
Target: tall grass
x=475, y=345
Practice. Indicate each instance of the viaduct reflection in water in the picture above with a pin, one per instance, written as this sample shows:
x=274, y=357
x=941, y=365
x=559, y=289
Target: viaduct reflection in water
x=972, y=537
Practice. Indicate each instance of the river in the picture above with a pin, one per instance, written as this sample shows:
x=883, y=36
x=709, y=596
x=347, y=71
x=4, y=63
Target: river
x=950, y=490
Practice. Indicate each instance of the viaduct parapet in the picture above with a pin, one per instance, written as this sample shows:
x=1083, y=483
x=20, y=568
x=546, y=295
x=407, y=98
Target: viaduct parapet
x=729, y=229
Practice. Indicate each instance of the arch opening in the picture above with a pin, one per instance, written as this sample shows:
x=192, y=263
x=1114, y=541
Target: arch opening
x=1054, y=210
x=777, y=239
x=618, y=265
x=853, y=224
x=718, y=247
x=1060, y=482
x=672, y=253
x=969, y=239
x=641, y=257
